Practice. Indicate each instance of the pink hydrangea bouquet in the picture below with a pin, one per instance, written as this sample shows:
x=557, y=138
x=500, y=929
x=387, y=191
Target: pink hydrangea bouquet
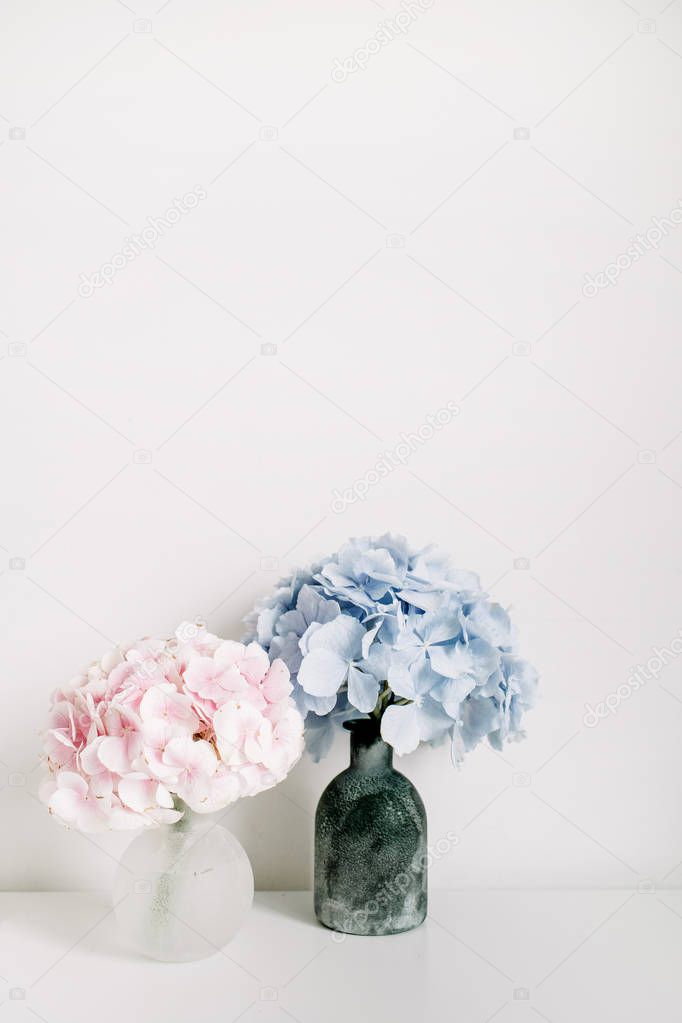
x=160, y=725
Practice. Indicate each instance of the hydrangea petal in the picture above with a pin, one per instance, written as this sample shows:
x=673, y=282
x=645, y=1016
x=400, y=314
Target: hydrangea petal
x=490, y=622
x=432, y=719
x=440, y=626
x=452, y=691
x=400, y=678
x=363, y=690
x=476, y=658
x=342, y=636
x=400, y=728
x=322, y=672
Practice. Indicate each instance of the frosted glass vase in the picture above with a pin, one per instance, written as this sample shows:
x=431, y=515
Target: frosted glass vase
x=182, y=891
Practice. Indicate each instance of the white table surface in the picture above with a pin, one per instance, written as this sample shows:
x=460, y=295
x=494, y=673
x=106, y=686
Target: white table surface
x=584, y=957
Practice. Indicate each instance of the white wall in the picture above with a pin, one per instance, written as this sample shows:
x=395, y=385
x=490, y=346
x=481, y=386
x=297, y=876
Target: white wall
x=292, y=247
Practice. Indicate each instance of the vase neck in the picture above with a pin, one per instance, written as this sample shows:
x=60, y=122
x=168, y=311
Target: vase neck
x=189, y=820
x=368, y=751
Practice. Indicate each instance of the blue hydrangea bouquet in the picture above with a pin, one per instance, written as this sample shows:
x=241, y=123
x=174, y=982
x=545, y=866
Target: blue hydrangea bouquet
x=401, y=636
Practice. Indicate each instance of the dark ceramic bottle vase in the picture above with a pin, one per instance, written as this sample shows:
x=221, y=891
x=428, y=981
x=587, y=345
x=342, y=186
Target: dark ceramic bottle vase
x=370, y=843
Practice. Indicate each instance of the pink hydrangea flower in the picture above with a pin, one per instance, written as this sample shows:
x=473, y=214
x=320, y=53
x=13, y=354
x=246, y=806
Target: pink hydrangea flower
x=165, y=714
x=158, y=725
x=212, y=683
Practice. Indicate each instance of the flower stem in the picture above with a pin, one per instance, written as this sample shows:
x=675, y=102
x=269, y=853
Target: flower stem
x=383, y=700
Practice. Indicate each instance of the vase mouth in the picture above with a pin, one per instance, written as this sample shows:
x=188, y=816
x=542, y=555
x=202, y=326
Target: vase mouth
x=363, y=726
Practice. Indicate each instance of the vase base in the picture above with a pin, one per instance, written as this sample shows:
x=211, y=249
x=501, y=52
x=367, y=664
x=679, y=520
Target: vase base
x=360, y=922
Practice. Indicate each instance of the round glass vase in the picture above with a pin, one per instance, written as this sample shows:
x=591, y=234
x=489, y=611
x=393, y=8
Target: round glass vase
x=370, y=843
x=183, y=890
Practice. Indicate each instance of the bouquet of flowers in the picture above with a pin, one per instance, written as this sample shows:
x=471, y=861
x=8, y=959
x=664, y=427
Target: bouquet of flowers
x=403, y=636
x=163, y=724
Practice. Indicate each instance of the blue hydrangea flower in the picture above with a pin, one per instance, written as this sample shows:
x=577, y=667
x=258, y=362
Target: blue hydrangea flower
x=334, y=657
x=421, y=718
x=404, y=636
x=288, y=627
x=366, y=572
